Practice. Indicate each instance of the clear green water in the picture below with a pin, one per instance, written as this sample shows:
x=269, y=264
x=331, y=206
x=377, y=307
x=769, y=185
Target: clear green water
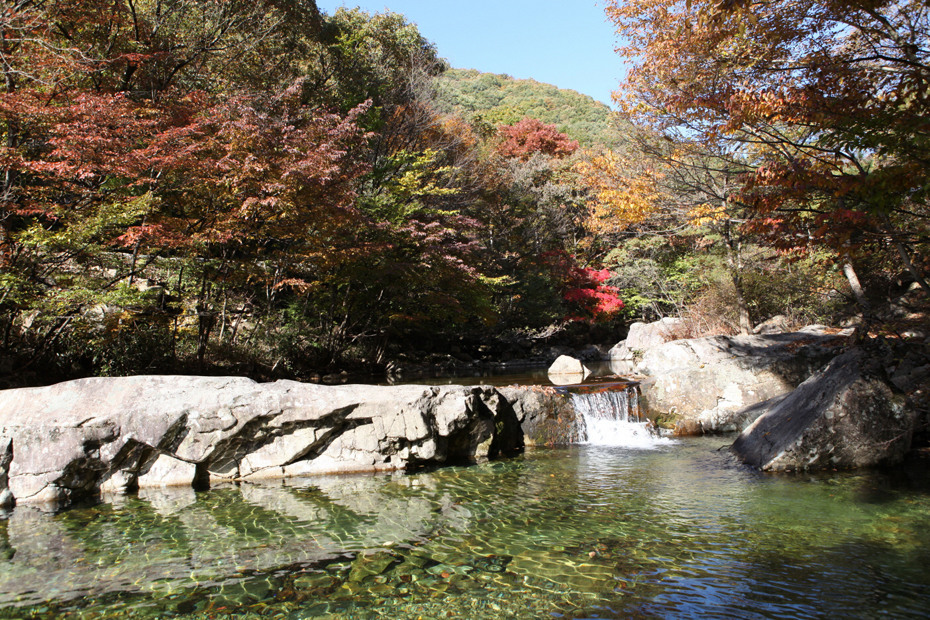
x=585, y=532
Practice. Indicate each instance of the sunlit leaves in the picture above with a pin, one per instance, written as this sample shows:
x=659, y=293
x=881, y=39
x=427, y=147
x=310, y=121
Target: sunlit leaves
x=705, y=214
x=622, y=192
x=819, y=102
x=530, y=136
x=584, y=289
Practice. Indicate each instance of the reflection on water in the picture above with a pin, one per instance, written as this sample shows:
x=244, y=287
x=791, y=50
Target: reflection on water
x=585, y=532
x=530, y=375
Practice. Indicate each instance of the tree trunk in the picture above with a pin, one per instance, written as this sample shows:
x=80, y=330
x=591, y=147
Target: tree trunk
x=135, y=258
x=855, y=285
x=745, y=321
x=905, y=256
x=205, y=321
x=735, y=264
x=909, y=265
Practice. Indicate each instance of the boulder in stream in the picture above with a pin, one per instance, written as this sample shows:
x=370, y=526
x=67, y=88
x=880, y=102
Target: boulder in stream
x=546, y=415
x=709, y=385
x=643, y=336
x=567, y=370
x=845, y=416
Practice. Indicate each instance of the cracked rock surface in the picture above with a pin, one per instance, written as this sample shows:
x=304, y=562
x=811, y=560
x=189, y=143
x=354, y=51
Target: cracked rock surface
x=114, y=435
x=845, y=416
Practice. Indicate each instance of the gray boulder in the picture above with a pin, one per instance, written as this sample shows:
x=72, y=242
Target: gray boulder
x=567, y=370
x=643, y=336
x=845, y=416
x=67, y=441
x=546, y=415
x=708, y=385
x=778, y=324
x=567, y=365
x=6, y=457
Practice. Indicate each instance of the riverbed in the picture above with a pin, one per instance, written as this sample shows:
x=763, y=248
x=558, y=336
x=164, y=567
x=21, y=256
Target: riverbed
x=674, y=531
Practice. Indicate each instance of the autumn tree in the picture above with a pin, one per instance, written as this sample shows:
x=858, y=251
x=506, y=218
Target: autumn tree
x=418, y=201
x=530, y=136
x=124, y=149
x=538, y=229
x=188, y=184
x=825, y=103
x=671, y=189
x=542, y=189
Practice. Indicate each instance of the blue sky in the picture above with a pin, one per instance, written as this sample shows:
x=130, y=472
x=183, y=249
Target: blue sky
x=563, y=42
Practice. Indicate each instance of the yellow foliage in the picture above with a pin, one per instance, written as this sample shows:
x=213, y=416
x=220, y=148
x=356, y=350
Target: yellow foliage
x=420, y=179
x=707, y=214
x=622, y=194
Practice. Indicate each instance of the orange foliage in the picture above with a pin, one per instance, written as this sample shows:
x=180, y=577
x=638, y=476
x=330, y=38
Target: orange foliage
x=823, y=103
x=622, y=193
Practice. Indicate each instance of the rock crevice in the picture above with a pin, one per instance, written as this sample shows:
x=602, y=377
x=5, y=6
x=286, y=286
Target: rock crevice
x=845, y=416
x=68, y=441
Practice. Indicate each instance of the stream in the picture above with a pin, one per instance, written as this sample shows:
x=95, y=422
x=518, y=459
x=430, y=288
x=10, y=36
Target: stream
x=626, y=525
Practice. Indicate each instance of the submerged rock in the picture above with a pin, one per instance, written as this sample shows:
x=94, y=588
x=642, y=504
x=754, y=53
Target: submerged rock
x=847, y=415
x=64, y=442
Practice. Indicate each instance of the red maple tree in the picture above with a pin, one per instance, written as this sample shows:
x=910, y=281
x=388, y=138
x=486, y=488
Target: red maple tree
x=530, y=136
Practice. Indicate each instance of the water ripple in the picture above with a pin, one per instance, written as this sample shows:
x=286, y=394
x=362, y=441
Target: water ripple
x=585, y=532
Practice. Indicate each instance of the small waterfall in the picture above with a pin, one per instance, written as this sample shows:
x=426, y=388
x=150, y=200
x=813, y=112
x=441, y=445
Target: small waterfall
x=610, y=416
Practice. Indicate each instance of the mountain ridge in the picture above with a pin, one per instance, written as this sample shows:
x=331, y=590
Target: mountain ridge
x=500, y=99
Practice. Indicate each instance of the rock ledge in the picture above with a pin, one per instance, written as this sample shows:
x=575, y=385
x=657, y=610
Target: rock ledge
x=72, y=440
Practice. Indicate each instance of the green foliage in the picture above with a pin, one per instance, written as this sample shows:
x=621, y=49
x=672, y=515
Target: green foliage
x=686, y=276
x=494, y=100
x=806, y=291
x=380, y=57
x=127, y=345
x=407, y=183
x=651, y=275
x=89, y=228
x=531, y=302
x=84, y=326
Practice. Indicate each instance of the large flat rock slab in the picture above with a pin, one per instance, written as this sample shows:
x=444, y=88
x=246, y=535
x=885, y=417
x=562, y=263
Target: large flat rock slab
x=114, y=435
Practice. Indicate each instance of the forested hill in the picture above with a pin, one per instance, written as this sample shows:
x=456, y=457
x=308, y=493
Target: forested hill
x=181, y=195
x=503, y=100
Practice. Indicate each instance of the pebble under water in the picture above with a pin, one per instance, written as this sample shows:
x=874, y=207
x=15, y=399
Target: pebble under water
x=678, y=531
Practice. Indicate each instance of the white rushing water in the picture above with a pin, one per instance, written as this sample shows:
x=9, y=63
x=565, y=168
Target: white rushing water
x=611, y=418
